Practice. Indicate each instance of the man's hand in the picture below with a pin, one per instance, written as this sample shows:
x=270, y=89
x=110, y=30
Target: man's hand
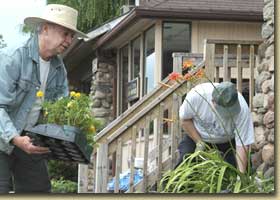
x=200, y=146
x=25, y=143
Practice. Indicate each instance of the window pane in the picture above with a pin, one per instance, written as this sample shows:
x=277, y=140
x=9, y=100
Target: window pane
x=135, y=58
x=176, y=38
x=149, y=59
x=124, y=77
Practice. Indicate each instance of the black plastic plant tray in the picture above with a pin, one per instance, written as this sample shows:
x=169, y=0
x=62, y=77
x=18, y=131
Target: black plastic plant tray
x=67, y=143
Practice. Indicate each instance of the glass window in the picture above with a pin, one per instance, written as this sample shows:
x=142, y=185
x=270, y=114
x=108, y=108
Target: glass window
x=149, y=54
x=124, y=78
x=135, y=68
x=176, y=38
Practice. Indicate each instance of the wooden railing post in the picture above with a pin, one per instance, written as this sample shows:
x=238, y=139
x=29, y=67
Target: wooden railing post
x=102, y=169
x=252, y=78
x=159, y=141
x=82, y=178
x=177, y=63
x=146, y=151
x=118, y=166
x=174, y=130
x=239, y=68
x=226, y=74
x=132, y=159
x=209, y=58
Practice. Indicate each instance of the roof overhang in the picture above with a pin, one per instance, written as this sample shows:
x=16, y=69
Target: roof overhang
x=140, y=14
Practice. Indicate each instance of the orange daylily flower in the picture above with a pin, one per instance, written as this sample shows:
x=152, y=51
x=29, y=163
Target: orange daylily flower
x=187, y=76
x=174, y=76
x=200, y=73
x=187, y=64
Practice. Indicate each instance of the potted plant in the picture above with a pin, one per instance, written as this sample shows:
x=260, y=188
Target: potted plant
x=67, y=127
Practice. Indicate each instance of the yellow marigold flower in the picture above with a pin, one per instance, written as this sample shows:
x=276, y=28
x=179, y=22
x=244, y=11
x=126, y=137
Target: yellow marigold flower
x=70, y=104
x=40, y=94
x=92, y=129
x=72, y=93
x=77, y=95
x=46, y=113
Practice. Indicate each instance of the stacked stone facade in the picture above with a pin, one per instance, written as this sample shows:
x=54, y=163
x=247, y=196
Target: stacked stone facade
x=263, y=102
x=102, y=91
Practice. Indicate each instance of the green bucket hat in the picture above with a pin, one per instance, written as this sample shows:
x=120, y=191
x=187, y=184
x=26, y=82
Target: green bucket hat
x=225, y=96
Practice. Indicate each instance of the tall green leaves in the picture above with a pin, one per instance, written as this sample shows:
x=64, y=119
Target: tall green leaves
x=92, y=13
x=207, y=172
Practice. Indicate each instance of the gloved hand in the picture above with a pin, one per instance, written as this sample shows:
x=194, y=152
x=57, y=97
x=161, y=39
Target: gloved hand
x=200, y=146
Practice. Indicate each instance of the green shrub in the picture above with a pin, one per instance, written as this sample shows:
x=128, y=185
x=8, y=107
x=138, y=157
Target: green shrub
x=63, y=186
x=60, y=169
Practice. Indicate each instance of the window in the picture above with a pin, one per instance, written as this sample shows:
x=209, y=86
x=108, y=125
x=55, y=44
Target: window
x=124, y=78
x=135, y=68
x=176, y=38
x=149, y=54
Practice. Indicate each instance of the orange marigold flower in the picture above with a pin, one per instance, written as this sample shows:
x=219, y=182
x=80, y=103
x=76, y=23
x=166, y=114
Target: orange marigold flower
x=174, y=76
x=187, y=64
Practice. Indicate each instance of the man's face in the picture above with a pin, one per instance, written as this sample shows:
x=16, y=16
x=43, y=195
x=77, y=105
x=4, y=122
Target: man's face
x=57, y=38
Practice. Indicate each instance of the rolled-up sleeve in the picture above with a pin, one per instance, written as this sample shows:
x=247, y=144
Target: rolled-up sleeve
x=8, y=76
x=244, y=133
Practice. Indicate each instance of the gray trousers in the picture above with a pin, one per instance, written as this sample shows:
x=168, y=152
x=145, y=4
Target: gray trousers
x=23, y=173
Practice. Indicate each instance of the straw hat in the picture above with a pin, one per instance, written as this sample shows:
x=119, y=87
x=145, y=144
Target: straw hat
x=58, y=14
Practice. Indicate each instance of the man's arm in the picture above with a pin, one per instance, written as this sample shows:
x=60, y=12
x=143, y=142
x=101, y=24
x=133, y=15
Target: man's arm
x=190, y=129
x=241, y=157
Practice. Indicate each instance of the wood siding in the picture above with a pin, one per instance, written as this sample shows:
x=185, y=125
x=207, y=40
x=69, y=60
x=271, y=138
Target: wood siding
x=202, y=30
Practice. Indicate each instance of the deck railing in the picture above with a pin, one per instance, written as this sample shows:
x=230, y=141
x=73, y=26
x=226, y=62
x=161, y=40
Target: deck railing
x=150, y=129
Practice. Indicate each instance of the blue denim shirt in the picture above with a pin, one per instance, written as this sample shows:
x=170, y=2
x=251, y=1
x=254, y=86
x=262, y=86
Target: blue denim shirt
x=19, y=83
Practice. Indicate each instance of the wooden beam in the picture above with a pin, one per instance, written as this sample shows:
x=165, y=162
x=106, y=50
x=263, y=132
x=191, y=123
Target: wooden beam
x=228, y=42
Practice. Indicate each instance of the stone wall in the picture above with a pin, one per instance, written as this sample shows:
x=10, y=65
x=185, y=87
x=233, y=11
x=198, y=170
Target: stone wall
x=102, y=91
x=263, y=102
x=102, y=108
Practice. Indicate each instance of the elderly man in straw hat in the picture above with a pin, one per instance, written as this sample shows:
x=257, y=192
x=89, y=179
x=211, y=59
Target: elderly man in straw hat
x=34, y=67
